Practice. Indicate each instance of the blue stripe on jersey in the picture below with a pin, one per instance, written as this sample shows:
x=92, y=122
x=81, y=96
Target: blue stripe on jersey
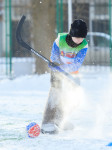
x=55, y=53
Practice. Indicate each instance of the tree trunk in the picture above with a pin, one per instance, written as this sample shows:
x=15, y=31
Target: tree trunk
x=43, y=30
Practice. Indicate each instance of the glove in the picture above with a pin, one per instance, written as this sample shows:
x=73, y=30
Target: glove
x=54, y=66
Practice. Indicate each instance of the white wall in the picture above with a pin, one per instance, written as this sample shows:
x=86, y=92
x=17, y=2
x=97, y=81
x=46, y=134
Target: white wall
x=20, y=66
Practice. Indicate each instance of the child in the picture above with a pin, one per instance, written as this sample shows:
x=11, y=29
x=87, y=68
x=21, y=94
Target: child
x=68, y=52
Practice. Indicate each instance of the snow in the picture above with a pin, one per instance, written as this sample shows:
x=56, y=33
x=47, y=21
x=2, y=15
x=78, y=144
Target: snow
x=23, y=99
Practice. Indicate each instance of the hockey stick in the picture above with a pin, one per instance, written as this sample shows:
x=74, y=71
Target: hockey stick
x=25, y=45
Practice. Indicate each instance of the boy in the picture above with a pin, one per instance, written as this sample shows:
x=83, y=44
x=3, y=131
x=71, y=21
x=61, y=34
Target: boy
x=68, y=52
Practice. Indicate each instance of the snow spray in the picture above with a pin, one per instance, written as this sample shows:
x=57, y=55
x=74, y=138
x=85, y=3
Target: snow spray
x=72, y=99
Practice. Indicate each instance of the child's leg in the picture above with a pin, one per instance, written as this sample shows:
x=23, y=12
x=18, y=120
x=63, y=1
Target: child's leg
x=53, y=113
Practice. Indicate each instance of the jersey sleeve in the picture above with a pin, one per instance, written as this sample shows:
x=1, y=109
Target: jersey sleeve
x=78, y=60
x=55, y=53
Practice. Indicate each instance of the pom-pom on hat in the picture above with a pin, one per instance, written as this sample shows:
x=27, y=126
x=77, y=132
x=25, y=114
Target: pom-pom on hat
x=78, y=28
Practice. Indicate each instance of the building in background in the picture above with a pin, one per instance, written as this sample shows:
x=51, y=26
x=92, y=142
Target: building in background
x=14, y=59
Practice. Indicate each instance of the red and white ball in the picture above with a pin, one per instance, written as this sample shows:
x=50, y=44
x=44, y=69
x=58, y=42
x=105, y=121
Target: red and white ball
x=33, y=130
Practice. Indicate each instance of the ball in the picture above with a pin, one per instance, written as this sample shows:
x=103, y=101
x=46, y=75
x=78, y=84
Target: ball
x=33, y=130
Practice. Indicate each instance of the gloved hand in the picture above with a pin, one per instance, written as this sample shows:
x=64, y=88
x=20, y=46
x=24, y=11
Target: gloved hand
x=54, y=66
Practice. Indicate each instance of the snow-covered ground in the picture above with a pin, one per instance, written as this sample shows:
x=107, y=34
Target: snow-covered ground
x=22, y=101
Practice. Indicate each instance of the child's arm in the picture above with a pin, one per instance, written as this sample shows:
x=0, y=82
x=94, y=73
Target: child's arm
x=78, y=60
x=55, y=53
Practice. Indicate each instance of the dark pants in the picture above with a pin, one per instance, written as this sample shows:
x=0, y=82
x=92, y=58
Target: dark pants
x=56, y=80
x=53, y=111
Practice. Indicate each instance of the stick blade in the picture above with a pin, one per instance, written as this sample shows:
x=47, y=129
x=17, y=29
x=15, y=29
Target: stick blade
x=18, y=34
x=18, y=30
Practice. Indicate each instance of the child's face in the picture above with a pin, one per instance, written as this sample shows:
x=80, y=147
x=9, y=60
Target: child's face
x=77, y=40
